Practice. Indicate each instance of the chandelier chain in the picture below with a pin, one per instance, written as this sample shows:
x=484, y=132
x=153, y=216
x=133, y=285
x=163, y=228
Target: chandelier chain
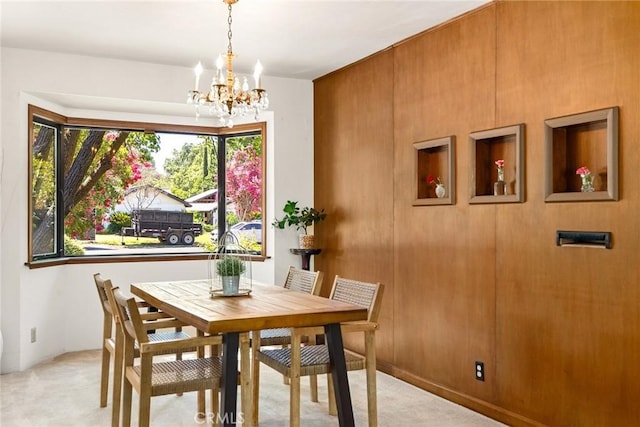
x=229, y=33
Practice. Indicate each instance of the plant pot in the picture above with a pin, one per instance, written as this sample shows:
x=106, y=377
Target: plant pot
x=307, y=241
x=230, y=285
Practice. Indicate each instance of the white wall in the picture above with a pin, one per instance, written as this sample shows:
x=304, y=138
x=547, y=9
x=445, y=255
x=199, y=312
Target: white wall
x=61, y=302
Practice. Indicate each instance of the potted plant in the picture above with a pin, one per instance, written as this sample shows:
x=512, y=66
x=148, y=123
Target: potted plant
x=229, y=269
x=300, y=218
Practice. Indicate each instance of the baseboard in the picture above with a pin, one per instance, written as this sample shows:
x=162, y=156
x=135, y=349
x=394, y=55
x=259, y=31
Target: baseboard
x=490, y=410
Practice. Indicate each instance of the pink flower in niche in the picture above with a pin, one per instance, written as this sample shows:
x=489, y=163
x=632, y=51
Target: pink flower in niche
x=583, y=170
x=432, y=180
x=499, y=164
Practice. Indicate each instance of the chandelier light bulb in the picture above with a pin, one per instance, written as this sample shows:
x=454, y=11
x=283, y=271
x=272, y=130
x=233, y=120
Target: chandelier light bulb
x=219, y=65
x=198, y=72
x=257, y=72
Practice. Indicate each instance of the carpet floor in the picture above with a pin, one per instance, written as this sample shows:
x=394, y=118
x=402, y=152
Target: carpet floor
x=64, y=392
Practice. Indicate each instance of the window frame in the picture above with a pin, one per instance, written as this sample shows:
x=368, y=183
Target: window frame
x=60, y=120
x=58, y=228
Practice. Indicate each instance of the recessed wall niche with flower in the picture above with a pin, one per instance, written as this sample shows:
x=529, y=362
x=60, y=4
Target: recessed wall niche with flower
x=496, y=165
x=434, y=172
x=440, y=190
x=588, y=141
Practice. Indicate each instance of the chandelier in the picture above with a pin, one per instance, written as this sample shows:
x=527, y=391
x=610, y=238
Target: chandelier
x=227, y=98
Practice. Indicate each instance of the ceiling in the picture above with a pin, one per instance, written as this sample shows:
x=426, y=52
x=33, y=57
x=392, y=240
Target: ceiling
x=302, y=39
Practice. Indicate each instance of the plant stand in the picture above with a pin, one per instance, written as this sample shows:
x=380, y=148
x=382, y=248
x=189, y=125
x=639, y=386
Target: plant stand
x=305, y=254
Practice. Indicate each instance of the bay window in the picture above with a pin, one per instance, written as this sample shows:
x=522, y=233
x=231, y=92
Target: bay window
x=125, y=190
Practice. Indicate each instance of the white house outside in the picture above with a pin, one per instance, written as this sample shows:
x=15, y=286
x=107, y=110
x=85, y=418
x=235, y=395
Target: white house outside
x=152, y=198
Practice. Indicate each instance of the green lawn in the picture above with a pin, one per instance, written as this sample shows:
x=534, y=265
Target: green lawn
x=202, y=240
x=140, y=242
x=116, y=240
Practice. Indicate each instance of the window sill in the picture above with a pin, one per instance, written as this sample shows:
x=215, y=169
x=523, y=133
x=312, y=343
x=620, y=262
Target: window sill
x=107, y=259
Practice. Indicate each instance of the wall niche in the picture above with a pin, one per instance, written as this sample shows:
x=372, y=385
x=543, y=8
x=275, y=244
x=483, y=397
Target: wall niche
x=586, y=140
x=434, y=175
x=488, y=183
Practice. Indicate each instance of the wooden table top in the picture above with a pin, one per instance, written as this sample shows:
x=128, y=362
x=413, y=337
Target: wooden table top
x=266, y=307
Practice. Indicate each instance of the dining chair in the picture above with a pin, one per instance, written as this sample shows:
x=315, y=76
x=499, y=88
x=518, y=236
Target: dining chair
x=314, y=359
x=155, y=378
x=112, y=343
x=298, y=280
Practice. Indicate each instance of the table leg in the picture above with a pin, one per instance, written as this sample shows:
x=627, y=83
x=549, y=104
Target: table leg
x=229, y=391
x=339, y=375
x=245, y=381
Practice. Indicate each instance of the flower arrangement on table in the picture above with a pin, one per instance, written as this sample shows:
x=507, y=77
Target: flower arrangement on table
x=587, y=179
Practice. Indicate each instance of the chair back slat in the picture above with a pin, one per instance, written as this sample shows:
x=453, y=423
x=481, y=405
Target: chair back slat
x=305, y=281
x=102, y=293
x=129, y=317
x=364, y=294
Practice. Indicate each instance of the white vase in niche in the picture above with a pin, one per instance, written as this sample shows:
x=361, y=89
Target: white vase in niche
x=440, y=191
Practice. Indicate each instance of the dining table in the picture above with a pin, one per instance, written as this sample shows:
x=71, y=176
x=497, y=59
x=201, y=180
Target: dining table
x=264, y=307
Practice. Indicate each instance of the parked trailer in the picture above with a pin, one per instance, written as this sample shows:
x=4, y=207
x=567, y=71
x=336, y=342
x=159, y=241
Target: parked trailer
x=170, y=227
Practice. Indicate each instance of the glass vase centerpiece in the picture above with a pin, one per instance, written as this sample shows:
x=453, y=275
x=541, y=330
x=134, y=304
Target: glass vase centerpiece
x=440, y=190
x=229, y=268
x=500, y=186
x=587, y=179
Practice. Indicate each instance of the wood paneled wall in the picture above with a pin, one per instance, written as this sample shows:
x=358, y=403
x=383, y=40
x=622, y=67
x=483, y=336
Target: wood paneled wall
x=558, y=329
x=354, y=174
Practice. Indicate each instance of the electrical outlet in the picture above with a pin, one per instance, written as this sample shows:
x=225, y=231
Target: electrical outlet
x=33, y=335
x=479, y=371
